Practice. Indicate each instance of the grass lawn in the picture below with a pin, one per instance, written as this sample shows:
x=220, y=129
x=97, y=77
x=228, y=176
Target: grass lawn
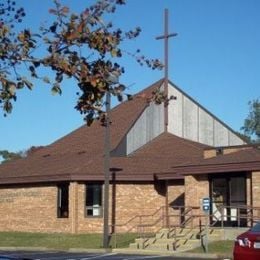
x=88, y=241
x=60, y=241
x=217, y=247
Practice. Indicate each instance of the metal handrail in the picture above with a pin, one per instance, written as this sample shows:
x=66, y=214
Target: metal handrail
x=185, y=212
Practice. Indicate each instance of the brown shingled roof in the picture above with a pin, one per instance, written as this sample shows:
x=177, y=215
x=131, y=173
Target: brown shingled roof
x=78, y=156
x=79, y=149
x=156, y=157
x=243, y=160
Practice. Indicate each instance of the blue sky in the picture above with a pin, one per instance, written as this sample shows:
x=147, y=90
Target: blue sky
x=215, y=59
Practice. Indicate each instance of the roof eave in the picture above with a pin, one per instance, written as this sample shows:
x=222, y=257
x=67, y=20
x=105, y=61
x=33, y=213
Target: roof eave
x=218, y=168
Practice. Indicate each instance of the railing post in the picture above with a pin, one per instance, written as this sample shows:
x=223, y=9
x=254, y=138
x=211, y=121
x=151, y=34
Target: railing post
x=167, y=205
x=175, y=238
x=238, y=216
x=139, y=227
x=192, y=218
x=164, y=223
x=115, y=234
x=222, y=216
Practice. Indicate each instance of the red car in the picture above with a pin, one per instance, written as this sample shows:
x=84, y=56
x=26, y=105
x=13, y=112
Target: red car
x=247, y=245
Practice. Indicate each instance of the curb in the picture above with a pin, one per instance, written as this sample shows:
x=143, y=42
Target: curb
x=22, y=248
x=177, y=254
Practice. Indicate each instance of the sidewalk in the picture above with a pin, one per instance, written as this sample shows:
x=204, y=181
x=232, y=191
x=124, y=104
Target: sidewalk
x=172, y=253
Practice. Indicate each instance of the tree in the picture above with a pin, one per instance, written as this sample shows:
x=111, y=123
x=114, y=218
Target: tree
x=245, y=137
x=10, y=156
x=15, y=49
x=251, y=126
x=81, y=46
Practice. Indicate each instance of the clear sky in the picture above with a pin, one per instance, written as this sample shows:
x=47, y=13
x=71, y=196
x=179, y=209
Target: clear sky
x=215, y=59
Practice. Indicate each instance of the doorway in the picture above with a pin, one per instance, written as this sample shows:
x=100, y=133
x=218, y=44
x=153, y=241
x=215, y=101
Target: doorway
x=228, y=195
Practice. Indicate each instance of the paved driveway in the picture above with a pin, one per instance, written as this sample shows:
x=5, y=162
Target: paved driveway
x=57, y=255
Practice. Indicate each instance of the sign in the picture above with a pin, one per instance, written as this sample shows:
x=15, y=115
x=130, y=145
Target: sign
x=206, y=204
x=206, y=208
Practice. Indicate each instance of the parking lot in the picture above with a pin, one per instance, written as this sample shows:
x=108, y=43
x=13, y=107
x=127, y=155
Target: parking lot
x=77, y=256
x=57, y=255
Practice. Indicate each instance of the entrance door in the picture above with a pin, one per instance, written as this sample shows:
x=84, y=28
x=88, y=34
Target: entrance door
x=227, y=194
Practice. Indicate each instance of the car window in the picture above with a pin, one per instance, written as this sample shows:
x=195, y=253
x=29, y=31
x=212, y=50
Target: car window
x=256, y=228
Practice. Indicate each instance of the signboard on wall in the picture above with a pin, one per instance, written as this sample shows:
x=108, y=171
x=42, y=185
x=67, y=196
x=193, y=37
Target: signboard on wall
x=206, y=204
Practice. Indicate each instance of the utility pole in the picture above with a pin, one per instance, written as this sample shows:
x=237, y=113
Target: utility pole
x=112, y=79
x=106, y=171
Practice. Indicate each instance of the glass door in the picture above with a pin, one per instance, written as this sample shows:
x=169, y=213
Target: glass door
x=228, y=195
x=219, y=199
x=237, y=199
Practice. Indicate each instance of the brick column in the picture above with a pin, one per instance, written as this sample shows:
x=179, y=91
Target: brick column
x=73, y=206
x=196, y=188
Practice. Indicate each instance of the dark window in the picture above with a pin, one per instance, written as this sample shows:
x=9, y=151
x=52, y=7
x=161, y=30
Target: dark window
x=93, y=200
x=219, y=151
x=63, y=201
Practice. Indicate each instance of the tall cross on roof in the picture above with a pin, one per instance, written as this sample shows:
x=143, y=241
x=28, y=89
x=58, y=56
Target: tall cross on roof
x=166, y=37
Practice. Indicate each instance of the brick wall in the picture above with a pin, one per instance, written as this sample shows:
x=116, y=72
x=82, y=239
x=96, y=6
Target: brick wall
x=34, y=209
x=176, y=201
x=127, y=202
x=31, y=209
x=256, y=192
x=196, y=188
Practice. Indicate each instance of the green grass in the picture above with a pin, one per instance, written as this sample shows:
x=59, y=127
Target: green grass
x=217, y=247
x=88, y=241
x=61, y=241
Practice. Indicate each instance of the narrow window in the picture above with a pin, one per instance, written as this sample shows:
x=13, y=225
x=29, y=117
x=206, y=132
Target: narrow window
x=93, y=200
x=63, y=201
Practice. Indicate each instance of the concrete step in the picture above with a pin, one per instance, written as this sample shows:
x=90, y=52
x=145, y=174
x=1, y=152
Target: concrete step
x=134, y=246
x=160, y=247
x=179, y=232
x=170, y=245
x=185, y=239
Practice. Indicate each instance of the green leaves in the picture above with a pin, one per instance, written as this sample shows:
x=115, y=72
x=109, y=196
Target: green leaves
x=80, y=46
x=15, y=51
x=8, y=156
x=251, y=126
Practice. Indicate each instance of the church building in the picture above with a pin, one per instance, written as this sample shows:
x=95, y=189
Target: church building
x=164, y=161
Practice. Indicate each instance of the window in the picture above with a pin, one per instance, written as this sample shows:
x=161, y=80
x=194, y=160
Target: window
x=93, y=200
x=63, y=201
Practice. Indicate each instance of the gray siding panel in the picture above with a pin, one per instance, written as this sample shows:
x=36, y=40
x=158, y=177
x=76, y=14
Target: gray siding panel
x=175, y=109
x=221, y=134
x=148, y=126
x=235, y=139
x=206, y=133
x=188, y=119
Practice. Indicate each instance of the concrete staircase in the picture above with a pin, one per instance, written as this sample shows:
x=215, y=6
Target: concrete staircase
x=179, y=239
